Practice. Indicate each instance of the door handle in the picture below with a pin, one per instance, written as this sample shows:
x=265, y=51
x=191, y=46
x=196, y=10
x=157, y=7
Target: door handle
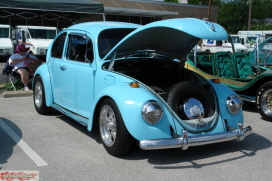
x=63, y=67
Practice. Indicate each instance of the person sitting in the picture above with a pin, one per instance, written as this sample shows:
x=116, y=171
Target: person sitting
x=18, y=60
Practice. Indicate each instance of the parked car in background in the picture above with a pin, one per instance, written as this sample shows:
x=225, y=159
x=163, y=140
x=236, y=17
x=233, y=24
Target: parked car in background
x=37, y=38
x=209, y=45
x=130, y=80
x=262, y=54
x=250, y=76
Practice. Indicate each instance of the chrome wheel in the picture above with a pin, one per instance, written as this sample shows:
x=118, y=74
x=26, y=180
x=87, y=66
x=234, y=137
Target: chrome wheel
x=266, y=102
x=192, y=108
x=107, y=124
x=38, y=94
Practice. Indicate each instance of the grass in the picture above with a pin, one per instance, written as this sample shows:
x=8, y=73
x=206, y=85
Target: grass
x=18, y=86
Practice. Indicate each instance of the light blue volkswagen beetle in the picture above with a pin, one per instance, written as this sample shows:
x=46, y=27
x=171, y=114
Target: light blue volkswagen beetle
x=130, y=80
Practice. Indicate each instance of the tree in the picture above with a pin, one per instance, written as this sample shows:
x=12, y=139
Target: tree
x=233, y=14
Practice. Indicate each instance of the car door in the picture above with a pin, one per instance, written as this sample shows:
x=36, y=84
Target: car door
x=54, y=63
x=85, y=80
x=68, y=74
x=77, y=79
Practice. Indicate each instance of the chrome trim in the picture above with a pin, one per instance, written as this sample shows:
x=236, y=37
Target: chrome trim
x=231, y=103
x=151, y=106
x=59, y=109
x=247, y=98
x=185, y=141
x=68, y=113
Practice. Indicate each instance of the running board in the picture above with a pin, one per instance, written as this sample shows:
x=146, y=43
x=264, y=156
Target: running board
x=78, y=118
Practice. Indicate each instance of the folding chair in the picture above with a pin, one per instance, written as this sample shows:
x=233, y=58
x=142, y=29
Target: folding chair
x=12, y=77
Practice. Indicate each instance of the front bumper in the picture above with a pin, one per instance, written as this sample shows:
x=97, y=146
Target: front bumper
x=185, y=141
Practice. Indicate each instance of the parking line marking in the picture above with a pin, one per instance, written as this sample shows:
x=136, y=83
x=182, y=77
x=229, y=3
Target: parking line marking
x=23, y=145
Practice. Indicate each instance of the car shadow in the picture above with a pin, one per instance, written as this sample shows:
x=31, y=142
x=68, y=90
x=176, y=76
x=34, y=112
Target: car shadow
x=94, y=134
x=6, y=142
x=162, y=159
x=250, y=107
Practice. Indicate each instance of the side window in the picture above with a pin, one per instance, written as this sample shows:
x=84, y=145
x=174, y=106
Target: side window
x=77, y=48
x=267, y=48
x=57, y=48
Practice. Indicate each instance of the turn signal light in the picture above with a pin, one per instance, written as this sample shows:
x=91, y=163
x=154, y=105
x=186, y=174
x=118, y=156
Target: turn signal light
x=215, y=80
x=134, y=84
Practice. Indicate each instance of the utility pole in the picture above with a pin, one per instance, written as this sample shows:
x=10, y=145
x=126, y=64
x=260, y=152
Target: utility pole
x=249, y=14
x=209, y=10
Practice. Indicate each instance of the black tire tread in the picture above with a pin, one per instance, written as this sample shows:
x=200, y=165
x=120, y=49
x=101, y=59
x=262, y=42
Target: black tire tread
x=124, y=141
x=43, y=109
x=265, y=86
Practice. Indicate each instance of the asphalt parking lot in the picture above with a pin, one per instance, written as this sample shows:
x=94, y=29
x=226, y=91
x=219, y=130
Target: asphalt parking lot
x=61, y=149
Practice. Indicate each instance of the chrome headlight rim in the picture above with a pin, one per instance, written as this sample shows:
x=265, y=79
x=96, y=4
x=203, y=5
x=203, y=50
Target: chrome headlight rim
x=152, y=112
x=234, y=104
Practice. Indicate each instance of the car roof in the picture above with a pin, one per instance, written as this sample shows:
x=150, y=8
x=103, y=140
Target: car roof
x=98, y=26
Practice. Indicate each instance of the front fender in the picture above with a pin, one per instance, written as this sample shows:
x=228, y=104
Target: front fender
x=130, y=101
x=222, y=92
x=42, y=71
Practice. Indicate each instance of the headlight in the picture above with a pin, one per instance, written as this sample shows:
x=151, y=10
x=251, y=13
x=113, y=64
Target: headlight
x=152, y=112
x=234, y=104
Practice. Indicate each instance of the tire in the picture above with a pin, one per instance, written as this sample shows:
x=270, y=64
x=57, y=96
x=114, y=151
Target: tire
x=179, y=95
x=115, y=137
x=264, y=101
x=39, y=97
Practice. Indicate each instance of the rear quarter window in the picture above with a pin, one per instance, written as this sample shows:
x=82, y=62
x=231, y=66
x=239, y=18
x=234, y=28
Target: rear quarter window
x=58, y=46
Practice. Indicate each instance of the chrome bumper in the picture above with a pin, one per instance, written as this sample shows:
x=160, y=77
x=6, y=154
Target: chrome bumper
x=185, y=141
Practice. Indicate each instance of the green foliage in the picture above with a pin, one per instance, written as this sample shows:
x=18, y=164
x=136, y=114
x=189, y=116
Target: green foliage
x=18, y=86
x=205, y=2
x=233, y=15
x=173, y=1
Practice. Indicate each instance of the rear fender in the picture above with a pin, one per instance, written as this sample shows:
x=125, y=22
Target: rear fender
x=42, y=71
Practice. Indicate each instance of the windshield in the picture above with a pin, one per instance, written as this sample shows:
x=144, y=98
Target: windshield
x=252, y=39
x=42, y=34
x=236, y=40
x=4, y=32
x=109, y=38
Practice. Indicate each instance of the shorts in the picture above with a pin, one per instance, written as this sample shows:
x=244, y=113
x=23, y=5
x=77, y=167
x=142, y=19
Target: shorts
x=22, y=68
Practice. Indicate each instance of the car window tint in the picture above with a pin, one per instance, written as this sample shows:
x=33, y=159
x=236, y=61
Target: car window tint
x=58, y=45
x=109, y=38
x=77, y=48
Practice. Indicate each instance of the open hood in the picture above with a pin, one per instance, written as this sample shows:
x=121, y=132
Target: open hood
x=174, y=38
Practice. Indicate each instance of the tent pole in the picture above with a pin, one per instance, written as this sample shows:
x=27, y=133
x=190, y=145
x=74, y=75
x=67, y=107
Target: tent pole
x=104, y=18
